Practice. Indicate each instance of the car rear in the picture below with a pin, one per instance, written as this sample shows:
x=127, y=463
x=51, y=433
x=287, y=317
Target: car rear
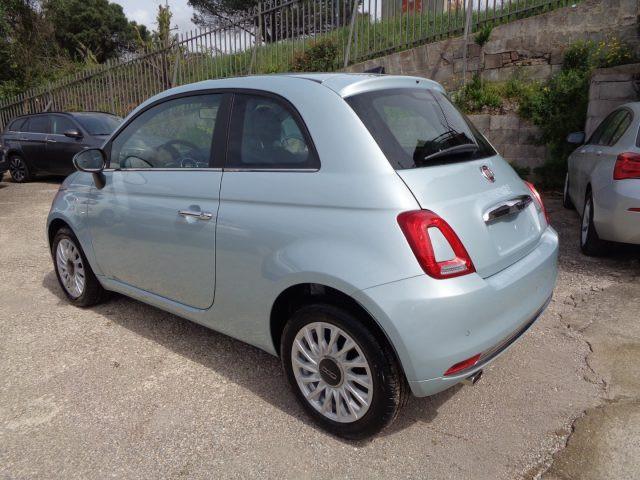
x=617, y=197
x=481, y=236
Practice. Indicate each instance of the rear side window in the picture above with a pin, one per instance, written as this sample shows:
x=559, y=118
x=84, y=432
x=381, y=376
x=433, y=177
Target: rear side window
x=622, y=127
x=265, y=134
x=419, y=127
x=39, y=124
x=604, y=132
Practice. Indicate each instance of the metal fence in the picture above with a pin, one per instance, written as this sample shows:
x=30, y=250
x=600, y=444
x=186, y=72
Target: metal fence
x=268, y=40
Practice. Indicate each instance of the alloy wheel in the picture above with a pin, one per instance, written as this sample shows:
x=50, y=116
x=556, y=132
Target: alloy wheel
x=332, y=372
x=18, y=169
x=70, y=267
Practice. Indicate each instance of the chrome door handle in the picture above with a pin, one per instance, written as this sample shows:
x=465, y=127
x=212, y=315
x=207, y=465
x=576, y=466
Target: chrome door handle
x=196, y=215
x=508, y=207
x=599, y=152
x=50, y=140
x=24, y=138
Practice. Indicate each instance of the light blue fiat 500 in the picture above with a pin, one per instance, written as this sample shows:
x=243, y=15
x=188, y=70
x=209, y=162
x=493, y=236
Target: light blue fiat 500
x=358, y=226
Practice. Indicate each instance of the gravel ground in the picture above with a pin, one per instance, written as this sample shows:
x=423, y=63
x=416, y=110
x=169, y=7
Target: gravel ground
x=125, y=390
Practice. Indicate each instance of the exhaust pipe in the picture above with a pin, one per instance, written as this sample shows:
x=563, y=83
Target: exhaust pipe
x=473, y=378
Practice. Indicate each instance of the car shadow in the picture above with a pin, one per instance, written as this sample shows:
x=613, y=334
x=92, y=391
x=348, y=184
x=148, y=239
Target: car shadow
x=237, y=361
x=51, y=179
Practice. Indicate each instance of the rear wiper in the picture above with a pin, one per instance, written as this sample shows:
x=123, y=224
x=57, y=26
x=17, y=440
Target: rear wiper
x=464, y=148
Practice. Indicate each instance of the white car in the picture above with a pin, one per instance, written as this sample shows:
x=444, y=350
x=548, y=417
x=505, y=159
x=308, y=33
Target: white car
x=603, y=180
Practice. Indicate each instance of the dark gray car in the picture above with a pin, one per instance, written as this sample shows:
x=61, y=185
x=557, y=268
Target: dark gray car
x=47, y=142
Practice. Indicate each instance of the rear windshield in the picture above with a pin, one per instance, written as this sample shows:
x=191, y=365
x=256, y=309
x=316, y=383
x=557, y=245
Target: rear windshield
x=98, y=123
x=419, y=127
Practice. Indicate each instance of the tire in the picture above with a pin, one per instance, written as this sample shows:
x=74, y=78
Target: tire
x=70, y=264
x=360, y=411
x=19, y=170
x=590, y=242
x=566, y=200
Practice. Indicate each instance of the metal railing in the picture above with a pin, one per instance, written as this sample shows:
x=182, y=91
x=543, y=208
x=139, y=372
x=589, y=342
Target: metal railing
x=268, y=39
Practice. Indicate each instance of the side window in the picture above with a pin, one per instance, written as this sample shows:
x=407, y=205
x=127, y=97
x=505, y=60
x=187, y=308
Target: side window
x=174, y=134
x=266, y=134
x=16, y=125
x=622, y=127
x=39, y=124
x=60, y=124
x=611, y=127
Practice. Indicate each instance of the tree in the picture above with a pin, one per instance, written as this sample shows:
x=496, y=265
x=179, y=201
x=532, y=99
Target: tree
x=28, y=52
x=209, y=13
x=311, y=17
x=98, y=27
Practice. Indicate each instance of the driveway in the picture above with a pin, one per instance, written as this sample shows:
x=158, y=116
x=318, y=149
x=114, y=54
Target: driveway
x=125, y=390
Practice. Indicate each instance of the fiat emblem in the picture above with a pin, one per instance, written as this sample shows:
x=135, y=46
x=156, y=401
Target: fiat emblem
x=488, y=173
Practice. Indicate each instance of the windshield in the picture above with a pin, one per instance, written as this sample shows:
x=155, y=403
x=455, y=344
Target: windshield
x=419, y=127
x=98, y=123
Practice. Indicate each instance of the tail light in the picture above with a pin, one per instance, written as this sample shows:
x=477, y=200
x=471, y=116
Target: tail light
x=416, y=225
x=627, y=166
x=538, y=199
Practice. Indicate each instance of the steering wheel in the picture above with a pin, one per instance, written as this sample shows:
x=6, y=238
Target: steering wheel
x=188, y=160
x=127, y=162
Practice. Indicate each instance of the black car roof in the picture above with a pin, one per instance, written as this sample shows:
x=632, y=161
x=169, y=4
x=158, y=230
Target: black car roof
x=27, y=115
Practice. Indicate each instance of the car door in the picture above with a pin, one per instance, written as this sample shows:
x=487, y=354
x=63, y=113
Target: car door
x=34, y=142
x=60, y=148
x=605, y=152
x=153, y=224
x=587, y=156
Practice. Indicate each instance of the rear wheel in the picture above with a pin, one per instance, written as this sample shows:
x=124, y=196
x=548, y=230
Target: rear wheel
x=590, y=242
x=74, y=273
x=19, y=170
x=347, y=380
x=566, y=200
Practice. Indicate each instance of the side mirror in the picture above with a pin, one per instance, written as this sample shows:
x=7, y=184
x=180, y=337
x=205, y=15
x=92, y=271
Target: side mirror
x=576, y=138
x=73, y=134
x=91, y=160
x=94, y=161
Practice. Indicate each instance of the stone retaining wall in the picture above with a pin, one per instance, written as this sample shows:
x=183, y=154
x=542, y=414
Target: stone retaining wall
x=533, y=46
x=513, y=137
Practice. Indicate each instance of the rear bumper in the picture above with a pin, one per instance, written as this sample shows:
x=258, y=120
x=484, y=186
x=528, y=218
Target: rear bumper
x=434, y=324
x=613, y=220
x=4, y=163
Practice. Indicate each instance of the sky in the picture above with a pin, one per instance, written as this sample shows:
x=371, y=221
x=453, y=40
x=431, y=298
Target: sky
x=144, y=11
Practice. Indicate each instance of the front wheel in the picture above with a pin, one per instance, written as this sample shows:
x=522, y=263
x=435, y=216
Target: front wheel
x=345, y=378
x=590, y=242
x=74, y=273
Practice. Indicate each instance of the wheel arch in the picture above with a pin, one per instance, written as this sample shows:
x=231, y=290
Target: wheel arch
x=53, y=227
x=301, y=294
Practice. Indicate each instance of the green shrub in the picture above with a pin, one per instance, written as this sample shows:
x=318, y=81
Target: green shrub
x=477, y=95
x=320, y=57
x=483, y=35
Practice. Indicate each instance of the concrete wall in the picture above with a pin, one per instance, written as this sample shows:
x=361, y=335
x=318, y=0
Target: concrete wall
x=609, y=88
x=513, y=137
x=533, y=46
